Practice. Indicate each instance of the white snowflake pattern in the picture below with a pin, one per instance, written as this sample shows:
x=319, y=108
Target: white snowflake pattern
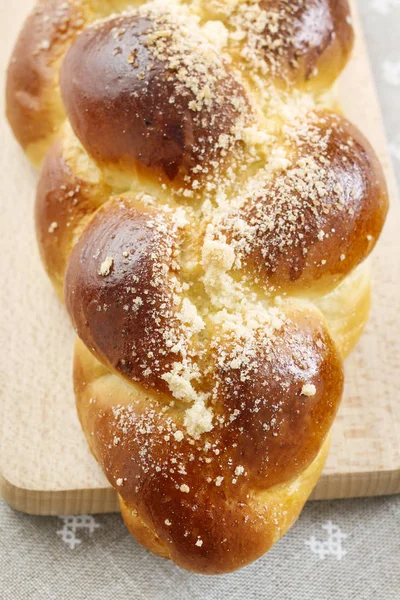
x=71, y=524
x=391, y=72
x=332, y=546
x=384, y=6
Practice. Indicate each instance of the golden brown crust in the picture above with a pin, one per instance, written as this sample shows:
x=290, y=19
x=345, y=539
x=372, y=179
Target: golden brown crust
x=346, y=309
x=200, y=502
x=323, y=40
x=143, y=534
x=310, y=225
x=248, y=539
x=207, y=220
x=124, y=314
x=34, y=108
x=64, y=202
x=277, y=429
x=33, y=101
x=133, y=101
x=299, y=43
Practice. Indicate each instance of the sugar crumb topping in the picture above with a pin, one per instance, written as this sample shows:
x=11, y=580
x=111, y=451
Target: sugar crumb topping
x=308, y=389
x=106, y=266
x=52, y=227
x=198, y=419
x=211, y=316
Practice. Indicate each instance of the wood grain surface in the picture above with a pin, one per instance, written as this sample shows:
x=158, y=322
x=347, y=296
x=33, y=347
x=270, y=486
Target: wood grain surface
x=45, y=464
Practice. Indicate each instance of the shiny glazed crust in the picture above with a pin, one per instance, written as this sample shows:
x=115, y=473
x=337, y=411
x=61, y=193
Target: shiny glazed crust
x=206, y=215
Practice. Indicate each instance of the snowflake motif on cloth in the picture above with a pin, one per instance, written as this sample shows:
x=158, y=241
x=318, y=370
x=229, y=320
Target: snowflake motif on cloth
x=71, y=524
x=332, y=546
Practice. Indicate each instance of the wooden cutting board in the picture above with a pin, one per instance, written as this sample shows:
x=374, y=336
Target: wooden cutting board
x=45, y=465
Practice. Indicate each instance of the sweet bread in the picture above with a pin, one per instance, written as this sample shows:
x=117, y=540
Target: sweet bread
x=206, y=212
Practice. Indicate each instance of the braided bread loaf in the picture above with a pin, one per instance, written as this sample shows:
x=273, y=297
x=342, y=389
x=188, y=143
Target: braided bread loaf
x=207, y=212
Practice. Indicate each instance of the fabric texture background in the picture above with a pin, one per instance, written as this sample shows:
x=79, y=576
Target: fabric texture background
x=341, y=550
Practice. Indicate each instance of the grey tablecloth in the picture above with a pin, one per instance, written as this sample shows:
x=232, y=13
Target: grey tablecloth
x=338, y=550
